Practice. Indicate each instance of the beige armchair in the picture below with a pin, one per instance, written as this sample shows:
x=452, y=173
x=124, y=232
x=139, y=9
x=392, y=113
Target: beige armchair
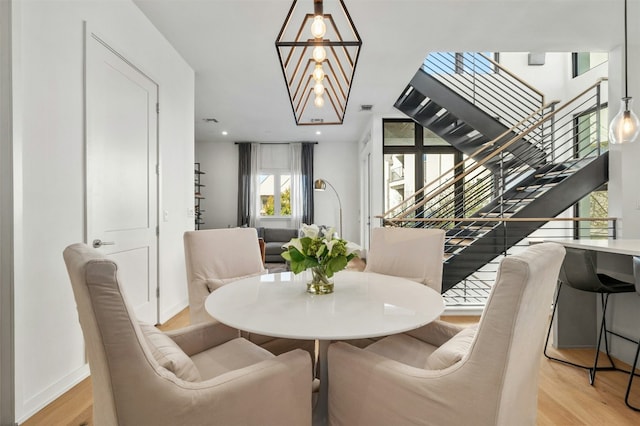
x=442, y=374
x=216, y=257
x=413, y=253
x=201, y=375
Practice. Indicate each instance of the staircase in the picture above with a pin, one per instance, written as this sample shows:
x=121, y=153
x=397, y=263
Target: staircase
x=522, y=169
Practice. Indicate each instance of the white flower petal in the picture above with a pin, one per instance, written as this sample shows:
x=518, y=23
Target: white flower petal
x=352, y=248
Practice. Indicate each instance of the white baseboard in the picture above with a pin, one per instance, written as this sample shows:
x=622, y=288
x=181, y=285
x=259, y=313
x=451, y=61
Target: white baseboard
x=463, y=310
x=50, y=394
x=174, y=310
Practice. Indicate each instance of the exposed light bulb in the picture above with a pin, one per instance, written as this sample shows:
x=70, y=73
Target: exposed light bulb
x=318, y=27
x=318, y=73
x=625, y=126
x=319, y=101
x=318, y=89
x=319, y=54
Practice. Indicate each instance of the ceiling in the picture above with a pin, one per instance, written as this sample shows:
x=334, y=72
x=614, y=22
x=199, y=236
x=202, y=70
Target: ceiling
x=230, y=44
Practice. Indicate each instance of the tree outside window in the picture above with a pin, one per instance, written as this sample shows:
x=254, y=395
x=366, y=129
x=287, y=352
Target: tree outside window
x=275, y=195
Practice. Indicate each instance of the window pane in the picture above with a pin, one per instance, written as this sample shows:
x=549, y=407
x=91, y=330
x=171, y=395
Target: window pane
x=595, y=204
x=266, y=195
x=399, y=178
x=587, y=133
x=442, y=205
x=285, y=195
x=584, y=61
x=399, y=133
x=431, y=139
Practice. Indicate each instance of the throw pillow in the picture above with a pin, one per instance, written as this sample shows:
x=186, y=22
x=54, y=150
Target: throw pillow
x=452, y=351
x=169, y=355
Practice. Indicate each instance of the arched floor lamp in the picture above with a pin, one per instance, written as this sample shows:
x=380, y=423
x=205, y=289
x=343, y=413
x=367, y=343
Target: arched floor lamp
x=321, y=185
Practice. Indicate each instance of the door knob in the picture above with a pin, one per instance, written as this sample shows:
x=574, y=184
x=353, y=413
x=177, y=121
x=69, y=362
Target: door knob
x=99, y=243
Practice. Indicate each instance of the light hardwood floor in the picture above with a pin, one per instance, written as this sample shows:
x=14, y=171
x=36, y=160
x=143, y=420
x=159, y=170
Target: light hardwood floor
x=564, y=398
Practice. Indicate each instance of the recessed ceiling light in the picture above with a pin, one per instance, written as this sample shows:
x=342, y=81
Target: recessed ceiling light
x=225, y=133
x=318, y=132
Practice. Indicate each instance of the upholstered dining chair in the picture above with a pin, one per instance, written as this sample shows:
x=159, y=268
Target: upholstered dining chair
x=216, y=257
x=443, y=374
x=200, y=375
x=413, y=253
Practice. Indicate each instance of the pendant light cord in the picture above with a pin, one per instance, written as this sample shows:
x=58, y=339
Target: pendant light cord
x=626, y=69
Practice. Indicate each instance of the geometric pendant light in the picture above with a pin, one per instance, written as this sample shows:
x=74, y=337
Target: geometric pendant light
x=318, y=48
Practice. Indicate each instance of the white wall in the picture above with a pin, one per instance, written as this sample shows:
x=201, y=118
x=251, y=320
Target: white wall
x=49, y=177
x=333, y=161
x=219, y=160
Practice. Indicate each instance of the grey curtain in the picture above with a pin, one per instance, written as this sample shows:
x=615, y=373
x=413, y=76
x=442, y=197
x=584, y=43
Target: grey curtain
x=307, y=182
x=244, y=184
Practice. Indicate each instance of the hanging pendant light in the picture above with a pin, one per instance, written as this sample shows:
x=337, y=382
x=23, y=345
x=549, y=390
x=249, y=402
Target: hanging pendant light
x=625, y=126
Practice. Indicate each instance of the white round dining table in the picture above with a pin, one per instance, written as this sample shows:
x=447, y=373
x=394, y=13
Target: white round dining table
x=363, y=305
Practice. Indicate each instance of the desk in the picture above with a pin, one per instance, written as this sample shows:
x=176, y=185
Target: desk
x=576, y=322
x=363, y=305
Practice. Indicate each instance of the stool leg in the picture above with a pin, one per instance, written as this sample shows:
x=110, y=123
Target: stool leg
x=604, y=301
x=633, y=371
x=553, y=314
x=546, y=342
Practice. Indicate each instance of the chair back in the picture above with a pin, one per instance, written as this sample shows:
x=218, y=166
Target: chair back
x=413, y=253
x=579, y=271
x=507, y=351
x=113, y=339
x=215, y=257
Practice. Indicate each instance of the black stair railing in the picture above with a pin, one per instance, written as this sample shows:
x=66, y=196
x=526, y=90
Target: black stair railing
x=475, y=203
x=486, y=84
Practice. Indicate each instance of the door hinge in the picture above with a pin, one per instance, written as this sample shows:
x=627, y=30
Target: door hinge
x=158, y=169
x=158, y=107
x=158, y=292
x=157, y=231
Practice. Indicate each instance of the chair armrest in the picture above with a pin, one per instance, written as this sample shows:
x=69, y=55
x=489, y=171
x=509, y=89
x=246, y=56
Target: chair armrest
x=436, y=333
x=199, y=337
x=276, y=391
x=369, y=389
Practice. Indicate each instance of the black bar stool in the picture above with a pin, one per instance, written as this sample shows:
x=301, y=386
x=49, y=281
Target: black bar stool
x=579, y=272
x=636, y=276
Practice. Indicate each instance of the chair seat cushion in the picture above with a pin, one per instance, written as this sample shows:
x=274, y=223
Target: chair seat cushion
x=232, y=355
x=169, y=355
x=452, y=351
x=403, y=348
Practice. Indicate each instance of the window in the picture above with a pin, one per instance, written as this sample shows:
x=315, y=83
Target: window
x=460, y=63
x=413, y=157
x=596, y=204
x=584, y=61
x=275, y=195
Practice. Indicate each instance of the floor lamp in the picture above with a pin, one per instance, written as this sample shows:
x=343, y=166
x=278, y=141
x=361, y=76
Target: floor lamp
x=321, y=185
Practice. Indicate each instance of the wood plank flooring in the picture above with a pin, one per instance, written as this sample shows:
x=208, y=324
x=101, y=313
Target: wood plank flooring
x=565, y=396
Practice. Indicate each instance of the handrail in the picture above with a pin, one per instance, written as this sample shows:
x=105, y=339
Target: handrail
x=461, y=163
x=503, y=68
x=493, y=154
x=505, y=219
x=486, y=84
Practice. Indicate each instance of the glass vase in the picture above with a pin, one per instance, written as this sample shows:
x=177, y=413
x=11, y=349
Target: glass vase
x=319, y=283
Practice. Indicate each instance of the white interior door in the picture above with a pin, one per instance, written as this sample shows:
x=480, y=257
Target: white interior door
x=122, y=182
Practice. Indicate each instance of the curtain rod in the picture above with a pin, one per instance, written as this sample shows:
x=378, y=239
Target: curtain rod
x=276, y=143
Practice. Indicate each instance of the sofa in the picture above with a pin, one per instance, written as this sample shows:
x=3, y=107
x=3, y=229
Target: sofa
x=274, y=238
